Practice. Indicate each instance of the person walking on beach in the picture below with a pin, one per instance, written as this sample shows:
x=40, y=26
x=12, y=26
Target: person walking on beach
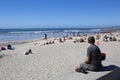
x=93, y=59
x=45, y=36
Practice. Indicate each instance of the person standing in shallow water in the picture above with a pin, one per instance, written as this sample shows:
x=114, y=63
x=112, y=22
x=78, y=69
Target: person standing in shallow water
x=93, y=59
x=45, y=36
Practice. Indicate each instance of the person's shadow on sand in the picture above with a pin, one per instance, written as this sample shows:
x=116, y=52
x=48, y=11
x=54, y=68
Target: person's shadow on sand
x=104, y=68
x=109, y=68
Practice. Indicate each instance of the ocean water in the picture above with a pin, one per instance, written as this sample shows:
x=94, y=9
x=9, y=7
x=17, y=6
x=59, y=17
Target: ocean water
x=26, y=34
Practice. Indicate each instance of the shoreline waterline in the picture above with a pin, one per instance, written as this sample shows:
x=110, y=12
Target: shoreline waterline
x=26, y=34
x=19, y=36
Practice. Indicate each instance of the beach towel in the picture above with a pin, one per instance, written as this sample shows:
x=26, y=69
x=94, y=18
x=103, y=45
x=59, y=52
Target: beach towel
x=114, y=75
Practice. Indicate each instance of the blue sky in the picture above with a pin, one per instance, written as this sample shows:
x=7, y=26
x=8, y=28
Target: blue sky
x=59, y=13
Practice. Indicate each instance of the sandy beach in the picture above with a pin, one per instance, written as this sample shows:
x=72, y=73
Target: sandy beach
x=59, y=39
x=55, y=61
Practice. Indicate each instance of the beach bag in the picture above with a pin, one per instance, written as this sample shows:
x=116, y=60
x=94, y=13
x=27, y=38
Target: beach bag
x=103, y=56
x=9, y=46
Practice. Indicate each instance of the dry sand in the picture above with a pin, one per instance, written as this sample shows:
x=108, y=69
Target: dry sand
x=53, y=62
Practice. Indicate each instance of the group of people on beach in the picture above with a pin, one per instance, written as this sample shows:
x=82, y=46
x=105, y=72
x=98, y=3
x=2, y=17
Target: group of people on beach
x=107, y=38
x=81, y=39
x=49, y=42
x=63, y=39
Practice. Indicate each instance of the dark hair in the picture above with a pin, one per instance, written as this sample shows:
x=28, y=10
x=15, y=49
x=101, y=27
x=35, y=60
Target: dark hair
x=91, y=40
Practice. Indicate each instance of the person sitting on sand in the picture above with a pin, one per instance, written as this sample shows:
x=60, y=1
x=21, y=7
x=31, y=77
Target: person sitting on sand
x=105, y=38
x=64, y=39
x=114, y=39
x=81, y=39
x=97, y=36
x=52, y=42
x=2, y=48
x=60, y=40
x=70, y=38
x=110, y=38
x=28, y=52
x=93, y=59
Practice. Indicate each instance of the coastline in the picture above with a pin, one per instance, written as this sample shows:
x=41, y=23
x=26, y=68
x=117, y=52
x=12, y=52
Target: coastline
x=14, y=36
x=9, y=35
x=42, y=39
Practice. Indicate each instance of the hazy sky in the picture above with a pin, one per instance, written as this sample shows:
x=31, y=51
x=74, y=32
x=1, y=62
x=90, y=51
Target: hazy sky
x=56, y=13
